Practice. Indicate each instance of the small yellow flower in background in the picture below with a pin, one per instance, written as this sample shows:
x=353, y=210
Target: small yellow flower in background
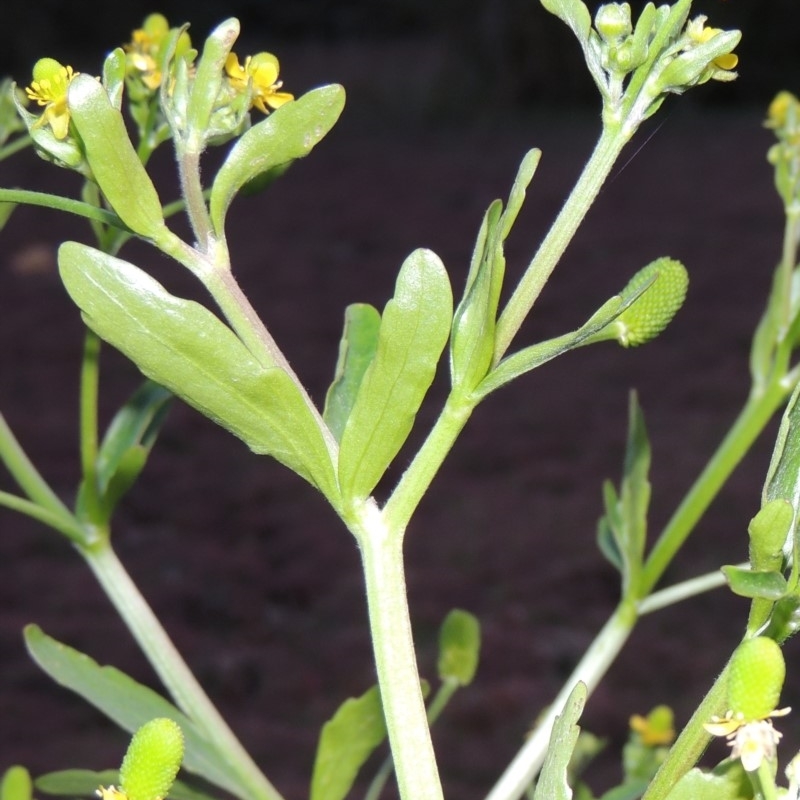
x=779, y=109
x=145, y=49
x=656, y=729
x=49, y=89
x=700, y=34
x=259, y=75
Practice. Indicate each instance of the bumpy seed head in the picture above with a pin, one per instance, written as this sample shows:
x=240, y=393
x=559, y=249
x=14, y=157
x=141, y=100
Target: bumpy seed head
x=152, y=760
x=655, y=307
x=756, y=678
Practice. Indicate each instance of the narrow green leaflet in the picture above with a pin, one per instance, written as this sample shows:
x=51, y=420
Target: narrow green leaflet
x=413, y=333
x=111, y=155
x=459, y=647
x=346, y=741
x=288, y=133
x=762, y=584
x=187, y=349
x=574, y=13
x=16, y=784
x=84, y=783
x=474, y=322
x=552, y=784
x=356, y=351
x=126, y=702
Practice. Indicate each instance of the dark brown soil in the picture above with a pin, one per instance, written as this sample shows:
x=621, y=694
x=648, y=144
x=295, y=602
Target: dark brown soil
x=253, y=575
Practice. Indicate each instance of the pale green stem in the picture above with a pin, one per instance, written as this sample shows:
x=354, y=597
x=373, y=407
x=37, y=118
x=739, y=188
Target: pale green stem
x=679, y=592
x=90, y=382
x=63, y=524
x=395, y=659
x=763, y=782
x=27, y=476
x=57, y=203
x=513, y=783
x=173, y=671
x=192, y=191
x=594, y=174
x=788, y=262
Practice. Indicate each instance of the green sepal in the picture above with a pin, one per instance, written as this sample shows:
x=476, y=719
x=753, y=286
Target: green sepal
x=356, y=351
x=152, y=760
x=414, y=328
x=762, y=584
x=182, y=346
x=288, y=133
x=346, y=741
x=16, y=784
x=205, y=89
x=84, y=783
x=474, y=321
x=113, y=160
x=459, y=647
x=124, y=451
x=689, y=67
x=127, y=703
x=622, y=530
x=553, y=780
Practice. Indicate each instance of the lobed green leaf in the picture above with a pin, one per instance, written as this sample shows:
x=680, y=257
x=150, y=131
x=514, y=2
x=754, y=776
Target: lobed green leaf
x=288, y=133
x=184, y=347
x=413, y=332
x=112, y=157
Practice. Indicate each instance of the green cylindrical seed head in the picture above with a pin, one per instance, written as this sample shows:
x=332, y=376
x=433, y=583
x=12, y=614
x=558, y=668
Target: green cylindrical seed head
x=756, y=678
x=152, y=760
x=653, y=310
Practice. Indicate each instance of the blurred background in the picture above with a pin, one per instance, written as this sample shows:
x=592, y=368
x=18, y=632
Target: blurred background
x=253, y=576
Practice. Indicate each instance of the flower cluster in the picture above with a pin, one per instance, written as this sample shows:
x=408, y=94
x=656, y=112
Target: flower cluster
x=146, y=51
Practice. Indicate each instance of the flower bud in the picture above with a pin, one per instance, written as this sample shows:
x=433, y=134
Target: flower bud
x=613, y=21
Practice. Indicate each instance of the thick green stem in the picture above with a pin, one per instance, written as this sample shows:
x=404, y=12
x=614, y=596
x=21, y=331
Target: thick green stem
x=691, y=743
x=757, y=412
x=172, y=670
x=517, y=777
x=395, y=659
x=594, y=174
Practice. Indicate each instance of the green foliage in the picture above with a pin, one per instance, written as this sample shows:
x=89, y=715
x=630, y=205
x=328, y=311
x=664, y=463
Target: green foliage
x=459, y=647
x=181, y=345
x=413, y=332
x=84, y=783
x=728, y=781
x=129, y=704
x=346, y=742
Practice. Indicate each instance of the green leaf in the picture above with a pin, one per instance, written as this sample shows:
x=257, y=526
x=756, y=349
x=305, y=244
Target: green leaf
x=459, y=647
x=288, y=133
x=607, y=524
x=113, y=160
x=574, y=13
x=413, y=333
x=728, y=781
x=84, y=782
x=767, y=585
x=128, y=441
x=345, y=743
x=129, y=704
x=356, y=351
x=552, y=784
x=16, y=784
x=474, y=322
x=187, y=349
x=114, y=68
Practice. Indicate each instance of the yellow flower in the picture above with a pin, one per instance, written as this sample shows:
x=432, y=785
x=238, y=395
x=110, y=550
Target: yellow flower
x=259, y=75
x=700, y=34
x=49, y=89
x=145, y=50
x=656, y=728
x=110, y=793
